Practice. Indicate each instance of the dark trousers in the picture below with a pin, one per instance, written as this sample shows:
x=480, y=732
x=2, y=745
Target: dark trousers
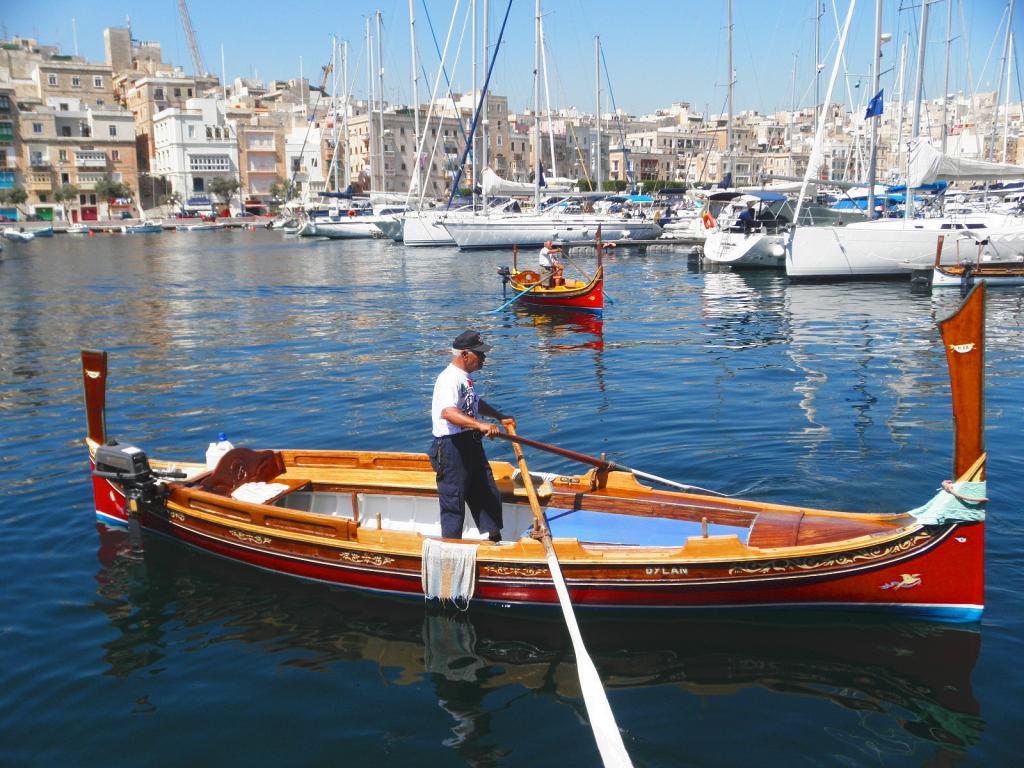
x=464, y=477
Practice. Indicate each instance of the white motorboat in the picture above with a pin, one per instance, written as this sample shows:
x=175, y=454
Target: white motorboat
x=18, y=235
x=764, y=245
x=145, y=228
x=78, y=229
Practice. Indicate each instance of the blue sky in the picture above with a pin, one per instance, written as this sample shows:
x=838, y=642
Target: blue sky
x=657, y=51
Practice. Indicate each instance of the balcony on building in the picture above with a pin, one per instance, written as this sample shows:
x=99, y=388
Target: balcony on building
x=90, y=159
x=6, y=179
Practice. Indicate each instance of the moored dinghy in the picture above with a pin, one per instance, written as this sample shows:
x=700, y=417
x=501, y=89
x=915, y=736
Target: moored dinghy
x=361, y=518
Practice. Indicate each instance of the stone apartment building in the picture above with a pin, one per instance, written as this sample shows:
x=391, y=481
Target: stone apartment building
x=193, y=146
x=70, y=130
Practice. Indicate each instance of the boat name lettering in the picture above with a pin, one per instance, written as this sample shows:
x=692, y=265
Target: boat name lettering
x=361, y=559
x=252, y=538
x=962, y=348
x=814, y=563
x=175, y=515
x=673, y=571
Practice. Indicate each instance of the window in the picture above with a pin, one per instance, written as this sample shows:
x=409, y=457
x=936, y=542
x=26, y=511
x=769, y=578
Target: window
x=63, y=155
x=100, y=102
x=499, y=139
x=112, y=129
x=177, y=93
x=65, y=179
x=189, y=92
x=97, y=82
x=158, y=94
x=76, y=82
x=42, y=197
x=63, y=106
x=37, y=127
x=52, y=80
x=115, y=155
x=191, y=131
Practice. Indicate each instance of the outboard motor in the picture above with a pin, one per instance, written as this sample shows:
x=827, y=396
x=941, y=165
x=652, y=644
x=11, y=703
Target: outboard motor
x=506, y=275
x=128, y=466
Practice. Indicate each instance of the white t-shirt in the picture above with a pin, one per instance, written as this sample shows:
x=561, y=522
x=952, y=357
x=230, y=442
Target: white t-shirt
x=453, y=389
x=546, y=258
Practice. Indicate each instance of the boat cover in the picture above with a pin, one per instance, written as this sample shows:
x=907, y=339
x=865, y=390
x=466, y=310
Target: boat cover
x=928, y=165
x=947, y=508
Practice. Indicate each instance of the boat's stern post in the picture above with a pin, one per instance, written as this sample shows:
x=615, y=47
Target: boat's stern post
x=109, y=499
x=963, y=336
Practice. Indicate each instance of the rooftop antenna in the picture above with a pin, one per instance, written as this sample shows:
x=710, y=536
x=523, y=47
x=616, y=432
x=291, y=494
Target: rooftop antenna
x=74, y=33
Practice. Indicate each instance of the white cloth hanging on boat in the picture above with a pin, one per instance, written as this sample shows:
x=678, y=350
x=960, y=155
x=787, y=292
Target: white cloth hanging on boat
x=449, y=570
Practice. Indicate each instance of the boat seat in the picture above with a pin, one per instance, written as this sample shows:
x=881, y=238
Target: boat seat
x=239, y=466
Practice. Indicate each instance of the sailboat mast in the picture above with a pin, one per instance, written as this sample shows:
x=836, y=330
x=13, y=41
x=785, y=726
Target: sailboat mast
x=728, y=124
x=474, y=170
x=344, y=77
x=369, y=102
x=536, y=105
x=818, y=11
x=876, y=79
x=485, y=134
x=945, y=81
x=334, y=110
x=415, y=94
x=999, y=91
x=1006, y=98
x=380, y=76
x=915, y=124
x=597, y=84
x=902, y=100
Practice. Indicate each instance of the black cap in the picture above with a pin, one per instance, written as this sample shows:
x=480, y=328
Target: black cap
x=470, y=340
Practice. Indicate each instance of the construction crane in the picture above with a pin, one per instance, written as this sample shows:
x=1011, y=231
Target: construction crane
x=186, y=22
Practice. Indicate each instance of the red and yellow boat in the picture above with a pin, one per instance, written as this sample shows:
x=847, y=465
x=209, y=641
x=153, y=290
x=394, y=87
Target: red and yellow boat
x=562, y=294
x=368, y=520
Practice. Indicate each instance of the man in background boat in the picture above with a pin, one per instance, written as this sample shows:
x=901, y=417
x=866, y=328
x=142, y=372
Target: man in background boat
x=550, y=267
x=746, y=218
x=457, y=452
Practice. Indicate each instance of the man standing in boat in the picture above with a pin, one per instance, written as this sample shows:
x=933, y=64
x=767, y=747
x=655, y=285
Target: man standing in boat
x=550, y=267
x=457, y=452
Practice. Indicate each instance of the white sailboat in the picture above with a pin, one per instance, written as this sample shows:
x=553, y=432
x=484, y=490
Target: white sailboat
x=895, y=247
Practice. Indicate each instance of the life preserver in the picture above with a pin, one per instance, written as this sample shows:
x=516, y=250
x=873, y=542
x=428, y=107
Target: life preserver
x=351, y=213
x=707, y=219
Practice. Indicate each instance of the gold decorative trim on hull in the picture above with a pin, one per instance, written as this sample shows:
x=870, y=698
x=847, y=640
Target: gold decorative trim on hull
x=249, y=538
x=797, y=564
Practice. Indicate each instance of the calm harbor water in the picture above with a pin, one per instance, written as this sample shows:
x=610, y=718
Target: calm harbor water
x=826, y=395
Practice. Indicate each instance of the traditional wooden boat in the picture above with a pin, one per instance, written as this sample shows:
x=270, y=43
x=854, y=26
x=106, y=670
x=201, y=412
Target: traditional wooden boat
x=965, y=273
x=565, y=294
x=370, y=519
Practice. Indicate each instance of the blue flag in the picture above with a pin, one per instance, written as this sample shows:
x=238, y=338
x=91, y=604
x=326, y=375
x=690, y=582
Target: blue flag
x=875, y=106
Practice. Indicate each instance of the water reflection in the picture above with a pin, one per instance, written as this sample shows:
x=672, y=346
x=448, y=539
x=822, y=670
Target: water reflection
x=898, y=682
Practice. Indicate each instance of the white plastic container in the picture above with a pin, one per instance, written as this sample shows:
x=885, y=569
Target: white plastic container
x=217, y=450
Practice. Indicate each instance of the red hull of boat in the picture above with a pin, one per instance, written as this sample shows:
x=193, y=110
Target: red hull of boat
x=941, y=580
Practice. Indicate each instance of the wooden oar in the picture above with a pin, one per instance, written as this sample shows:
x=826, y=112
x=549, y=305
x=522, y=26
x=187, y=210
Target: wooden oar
x=602, y=720
x=602, y=464
x=511, y=301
